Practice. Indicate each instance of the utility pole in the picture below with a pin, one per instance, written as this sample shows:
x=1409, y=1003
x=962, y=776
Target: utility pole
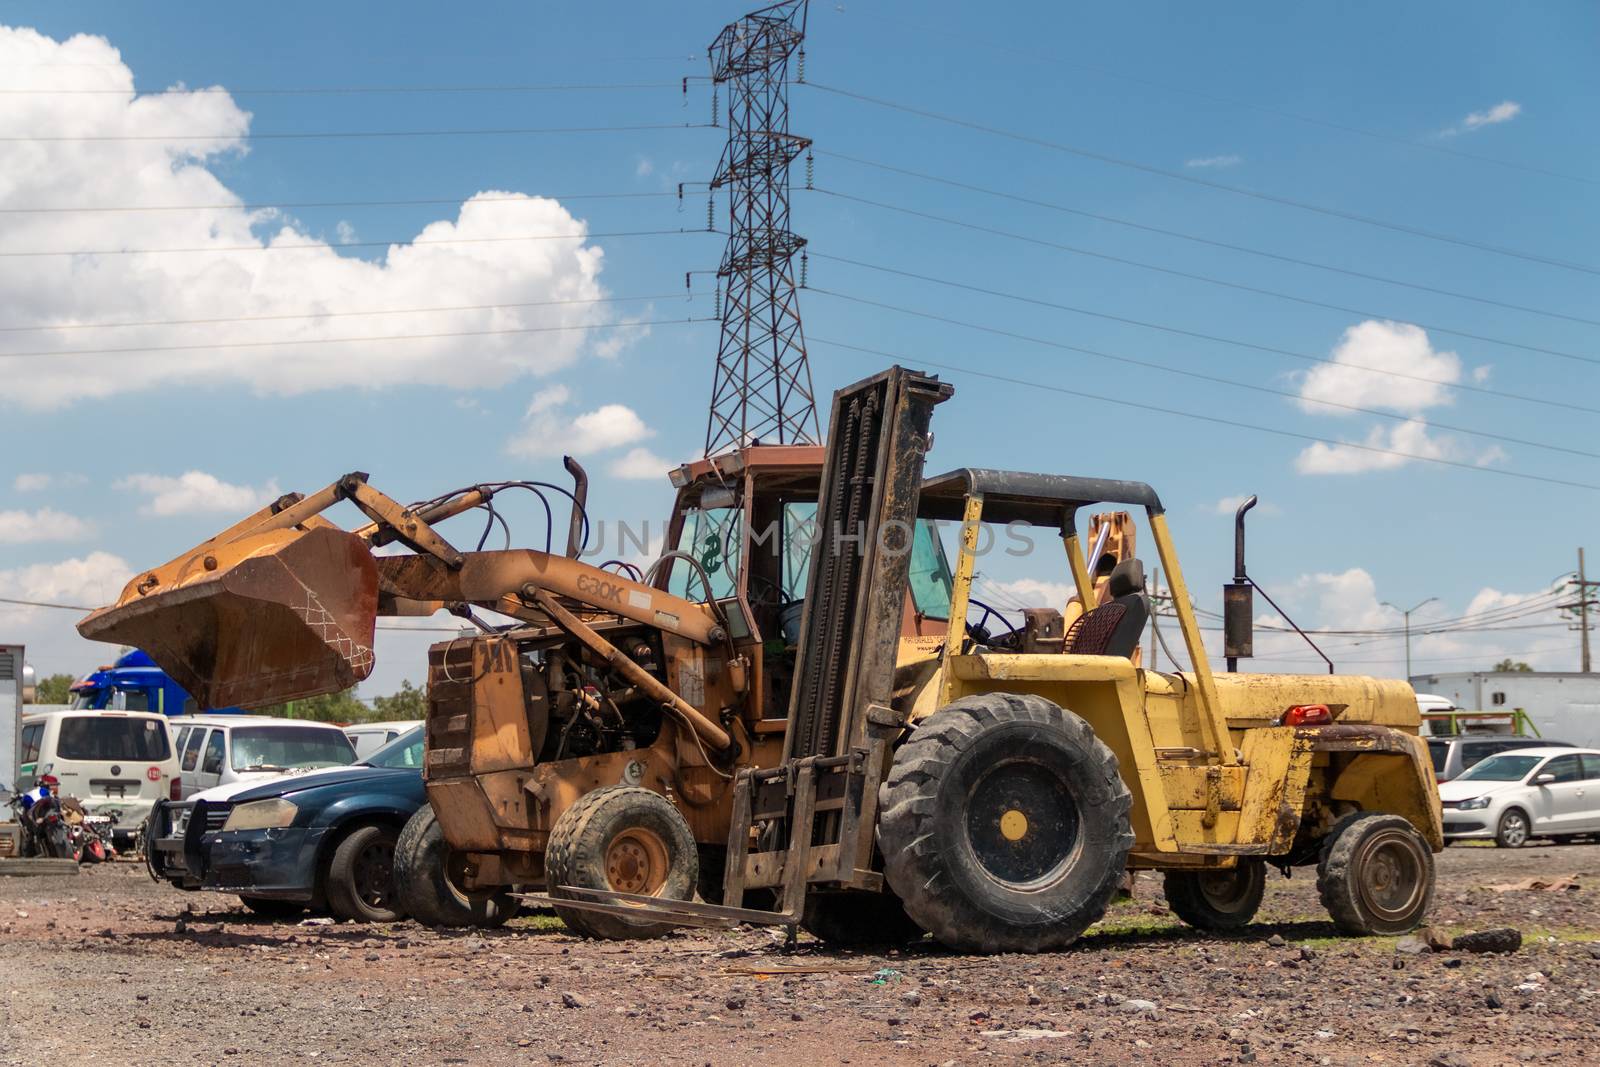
x=1583, y=604
x=1155, y=634
x=762, y=386
x=1407, y=614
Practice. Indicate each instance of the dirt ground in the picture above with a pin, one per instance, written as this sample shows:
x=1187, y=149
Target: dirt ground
x=111, y=968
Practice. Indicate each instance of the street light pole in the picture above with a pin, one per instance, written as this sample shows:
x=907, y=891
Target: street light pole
x=1407, y=614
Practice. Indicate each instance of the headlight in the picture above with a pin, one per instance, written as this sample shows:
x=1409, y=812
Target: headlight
x=261, y=815
x=1474, y=804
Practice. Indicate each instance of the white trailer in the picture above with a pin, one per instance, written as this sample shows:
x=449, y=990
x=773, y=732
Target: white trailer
x=1563, y=705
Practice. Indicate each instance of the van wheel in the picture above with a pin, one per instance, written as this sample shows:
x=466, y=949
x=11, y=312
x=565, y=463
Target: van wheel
x=625, y=839
x=1004, y=824
x=428, y=879
x=275, y=910
x=360, y=877
x=1224, y=898
x=1375, y=875
x=1512, y=830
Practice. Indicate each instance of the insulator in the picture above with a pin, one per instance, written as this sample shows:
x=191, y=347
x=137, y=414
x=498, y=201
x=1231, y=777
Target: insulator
x=686, y=91
x=803, y=261
x=716, y=302
x=711, y=212
x=686, y=277
x=811, y=168
x=801, y=75
x=714, y=115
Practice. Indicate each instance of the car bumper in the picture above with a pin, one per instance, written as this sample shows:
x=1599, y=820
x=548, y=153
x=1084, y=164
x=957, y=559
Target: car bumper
x=1464, y=825
x=280, y=864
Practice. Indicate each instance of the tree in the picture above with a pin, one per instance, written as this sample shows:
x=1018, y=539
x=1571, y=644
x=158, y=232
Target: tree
x=409, y=703
x=1509, y=665
x=56, y=689
x=330, y=707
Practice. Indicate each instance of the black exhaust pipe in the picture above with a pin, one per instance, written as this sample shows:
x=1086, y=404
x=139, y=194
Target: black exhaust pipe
x=580, y=503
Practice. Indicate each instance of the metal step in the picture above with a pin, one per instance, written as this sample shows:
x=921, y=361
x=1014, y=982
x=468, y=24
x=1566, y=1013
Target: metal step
x=657, y=909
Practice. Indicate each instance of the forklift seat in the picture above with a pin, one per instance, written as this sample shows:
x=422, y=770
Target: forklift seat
x=1114, y=628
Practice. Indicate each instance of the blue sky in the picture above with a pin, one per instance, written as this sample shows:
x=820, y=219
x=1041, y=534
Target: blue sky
x=1199, y=92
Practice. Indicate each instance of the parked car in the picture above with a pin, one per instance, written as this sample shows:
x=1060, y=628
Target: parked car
x=368, y=737
x=222, y=749
x=1454, y=755
x=322, y=839
x=1550, y=791
x=116, y=763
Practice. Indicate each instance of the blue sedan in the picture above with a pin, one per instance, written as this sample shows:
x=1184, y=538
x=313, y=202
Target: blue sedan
x=323, y=839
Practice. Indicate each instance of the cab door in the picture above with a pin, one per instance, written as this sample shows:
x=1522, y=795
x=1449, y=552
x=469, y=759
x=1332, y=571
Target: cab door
x=189, y=767
x=212, y=760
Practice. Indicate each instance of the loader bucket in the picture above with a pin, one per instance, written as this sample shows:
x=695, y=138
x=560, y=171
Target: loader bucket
x=266, y=618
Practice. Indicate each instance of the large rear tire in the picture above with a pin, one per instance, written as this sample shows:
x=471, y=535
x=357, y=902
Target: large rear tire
x=1222, y=899
x=1004, y=825
x=625, y=839
x=427, y=878
x=858, y=920
x=1375, y=875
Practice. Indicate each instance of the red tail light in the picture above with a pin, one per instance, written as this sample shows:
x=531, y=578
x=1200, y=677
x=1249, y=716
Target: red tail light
x=175, y=790
x=1308, y=715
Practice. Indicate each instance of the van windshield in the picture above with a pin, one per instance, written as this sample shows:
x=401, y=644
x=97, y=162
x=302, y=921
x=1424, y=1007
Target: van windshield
x=112, y=737
x=282, y=748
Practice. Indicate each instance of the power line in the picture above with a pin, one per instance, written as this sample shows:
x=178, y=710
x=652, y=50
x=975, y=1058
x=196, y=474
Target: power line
x=1195, y=238
x=342, y=314
x=1208, y=279
x=1310, y=120
x=1271, y=198
x=342, y=135
x=350, y=90
x=1231, y=383
x=1306, y=357
x=350, y=340
x=1214, y=419
x=265, y=206
x=85, y=607
x=330, y=245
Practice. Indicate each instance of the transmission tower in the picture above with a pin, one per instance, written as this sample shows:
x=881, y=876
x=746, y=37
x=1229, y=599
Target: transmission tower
x=762, y=387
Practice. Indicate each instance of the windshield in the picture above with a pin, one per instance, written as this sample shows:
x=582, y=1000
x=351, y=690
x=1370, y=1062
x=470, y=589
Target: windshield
x=1503, y=768
x=84, y=699
x=112, y=737
x=282, y=748
x=403, y=753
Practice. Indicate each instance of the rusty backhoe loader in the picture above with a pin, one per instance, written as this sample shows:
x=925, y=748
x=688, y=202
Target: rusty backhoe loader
x=992, y=788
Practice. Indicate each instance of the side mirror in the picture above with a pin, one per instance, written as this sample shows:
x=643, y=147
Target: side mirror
x=1543, y=779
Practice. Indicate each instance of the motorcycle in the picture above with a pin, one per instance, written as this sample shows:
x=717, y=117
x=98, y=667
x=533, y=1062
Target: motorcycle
x=90, y=835
x=45, y=828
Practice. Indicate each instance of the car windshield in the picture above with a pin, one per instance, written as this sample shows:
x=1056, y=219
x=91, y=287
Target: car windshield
x=282, y=748
x=112, y=737
x=1503, y=768
x=403, y=753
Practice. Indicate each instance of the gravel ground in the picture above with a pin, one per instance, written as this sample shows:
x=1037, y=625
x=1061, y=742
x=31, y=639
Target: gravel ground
x=110, y=968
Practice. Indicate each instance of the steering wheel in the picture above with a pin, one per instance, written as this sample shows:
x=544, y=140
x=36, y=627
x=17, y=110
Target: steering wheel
x=978, y=631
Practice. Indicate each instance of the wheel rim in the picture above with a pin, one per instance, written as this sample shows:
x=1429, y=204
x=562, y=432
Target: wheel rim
x=1514, y=829
x=373, y=874
x=1022, y=824
x=1227, y=890
x=1391, y=874
x=637, y=862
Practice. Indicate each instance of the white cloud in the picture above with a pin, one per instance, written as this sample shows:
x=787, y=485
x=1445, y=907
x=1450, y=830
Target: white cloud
x=1504, y=111
x=640, y=464
x=1229, y=505
x=196, y=492
x=1410, y=437
x=46, y=524
x=1480, y=374
x=31, y=483
x=90, y=581
x=644, y=168
x=548, y=430
x=1388, y=346
x=66, y=290
x=1027, y=592
x=1214, y=162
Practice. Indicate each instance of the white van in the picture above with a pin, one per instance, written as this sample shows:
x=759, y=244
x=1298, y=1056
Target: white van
x=221, y=749
x=115, y=762
x=368, y=737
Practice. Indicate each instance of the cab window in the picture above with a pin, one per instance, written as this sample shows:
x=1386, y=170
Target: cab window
x=106, y=738
x=30, y=742
x=931, y=580
x=191, y=754
x=213, y=757
x=713, y=537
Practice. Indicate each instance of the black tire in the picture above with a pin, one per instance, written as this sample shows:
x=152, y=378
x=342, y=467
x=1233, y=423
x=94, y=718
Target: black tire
x=426, y=884
x=1375, y=875
x=1225, y=898
x=626, y=839
x=274, y=910
x=972, y=866
x=858, y=920
x=1513, y=829
x=359, y=880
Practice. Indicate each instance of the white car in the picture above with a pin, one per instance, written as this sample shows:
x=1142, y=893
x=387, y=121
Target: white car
x=1532, y=792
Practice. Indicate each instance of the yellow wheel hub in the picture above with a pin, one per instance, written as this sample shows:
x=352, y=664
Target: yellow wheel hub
x=1013, y=825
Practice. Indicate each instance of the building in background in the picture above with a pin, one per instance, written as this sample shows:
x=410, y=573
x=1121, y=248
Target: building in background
x=1563, y=705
